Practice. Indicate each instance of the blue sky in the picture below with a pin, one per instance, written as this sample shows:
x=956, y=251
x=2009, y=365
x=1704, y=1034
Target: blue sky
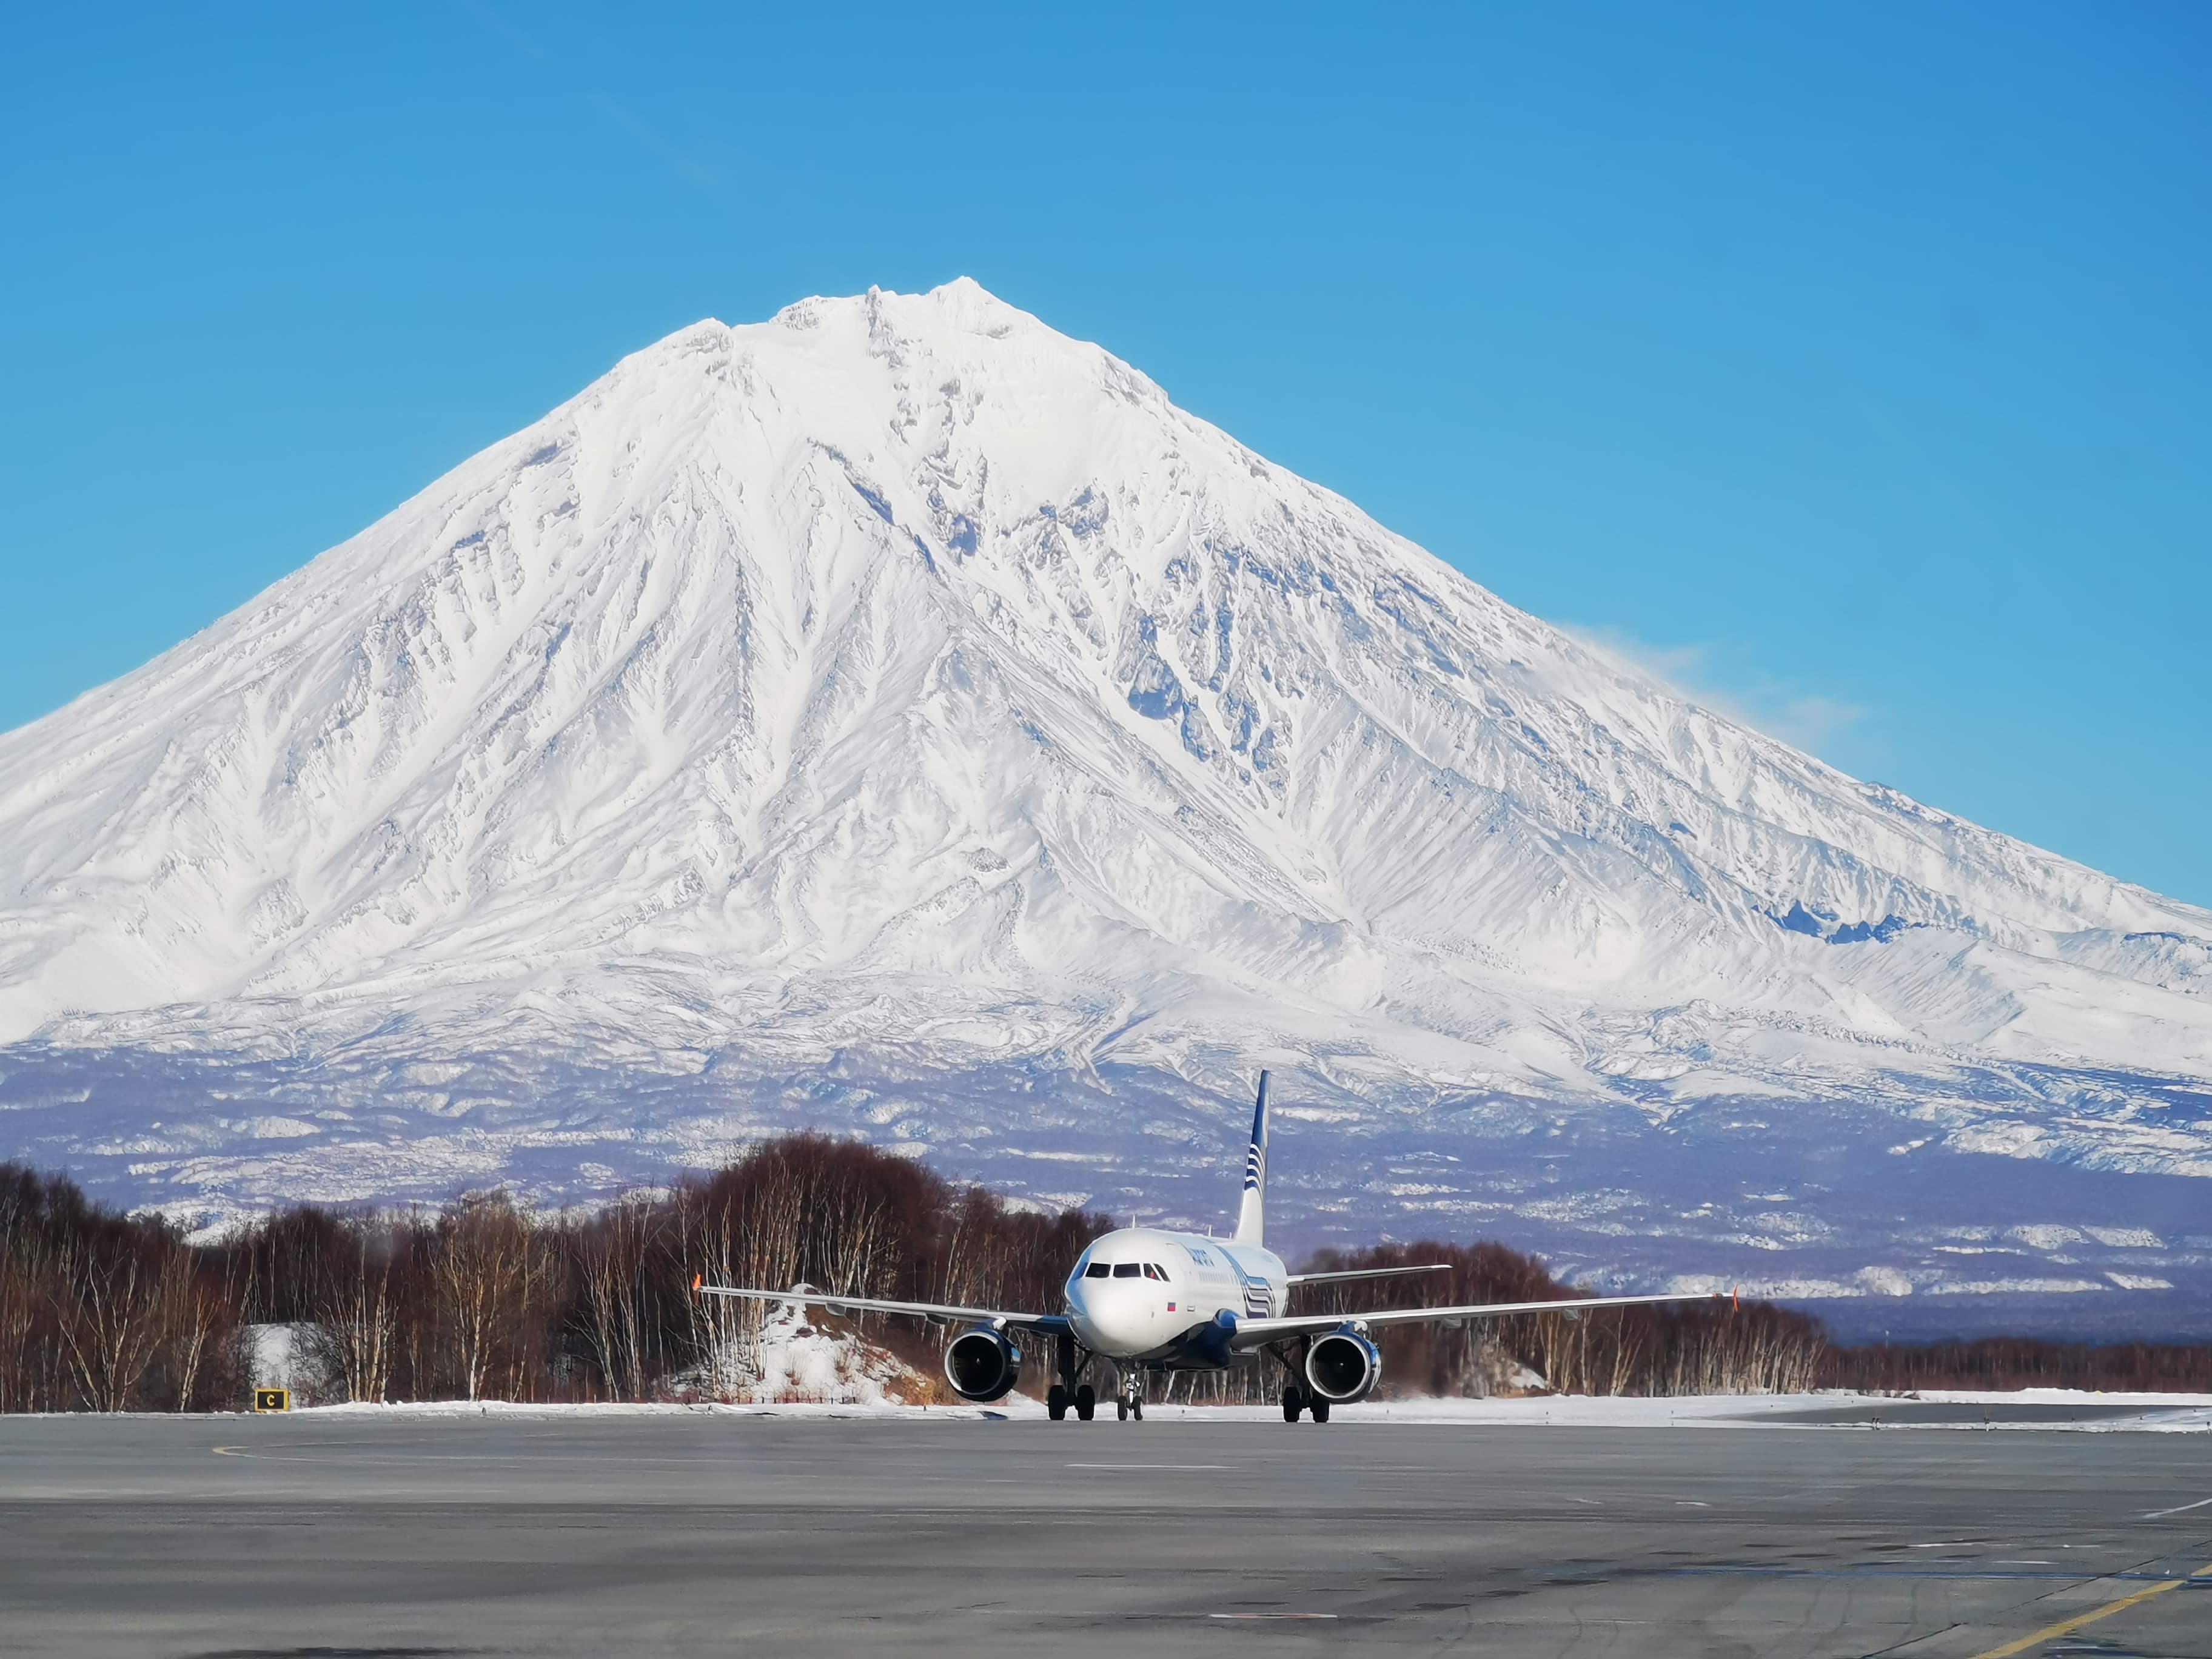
x=1853, y=366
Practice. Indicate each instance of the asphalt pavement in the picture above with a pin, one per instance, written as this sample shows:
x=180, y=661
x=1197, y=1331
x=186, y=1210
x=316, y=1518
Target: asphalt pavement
x=386, y=1537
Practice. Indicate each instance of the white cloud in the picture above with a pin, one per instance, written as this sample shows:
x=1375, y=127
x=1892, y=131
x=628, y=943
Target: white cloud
x=1804, y=720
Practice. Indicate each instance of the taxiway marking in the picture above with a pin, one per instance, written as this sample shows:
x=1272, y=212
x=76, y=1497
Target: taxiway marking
x=2091, y=1617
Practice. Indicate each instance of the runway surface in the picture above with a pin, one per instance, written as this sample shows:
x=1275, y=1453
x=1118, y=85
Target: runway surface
x=393, y=1537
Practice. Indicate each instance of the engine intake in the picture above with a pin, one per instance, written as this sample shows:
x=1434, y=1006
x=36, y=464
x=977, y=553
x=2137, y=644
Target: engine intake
x=1343, y=1367
x=982, y=1365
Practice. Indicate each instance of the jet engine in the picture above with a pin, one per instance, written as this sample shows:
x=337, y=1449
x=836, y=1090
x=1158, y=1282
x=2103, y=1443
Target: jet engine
x=982, y=1365
x=1343, y=1367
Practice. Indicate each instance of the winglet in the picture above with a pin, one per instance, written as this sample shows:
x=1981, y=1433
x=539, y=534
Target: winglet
x=1252, y=1211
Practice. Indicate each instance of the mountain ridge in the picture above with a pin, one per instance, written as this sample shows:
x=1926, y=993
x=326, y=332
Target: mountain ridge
x=899, y=676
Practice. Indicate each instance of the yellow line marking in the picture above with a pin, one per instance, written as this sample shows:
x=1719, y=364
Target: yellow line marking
x=2064, y=1625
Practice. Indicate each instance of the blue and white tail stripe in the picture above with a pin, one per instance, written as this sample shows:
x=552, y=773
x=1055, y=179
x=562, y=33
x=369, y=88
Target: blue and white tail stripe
x=1251, y=1215
x=1255, y=1156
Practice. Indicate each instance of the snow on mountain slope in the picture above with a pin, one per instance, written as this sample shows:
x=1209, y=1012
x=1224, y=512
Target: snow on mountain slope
x=897, y=705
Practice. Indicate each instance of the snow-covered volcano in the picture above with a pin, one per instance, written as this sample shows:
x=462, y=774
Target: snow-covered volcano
x=897, y=715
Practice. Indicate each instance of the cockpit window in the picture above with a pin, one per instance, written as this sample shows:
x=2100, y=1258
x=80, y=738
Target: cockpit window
x=1152, y=1270
x=1128, y=1270
x=1096, y=1270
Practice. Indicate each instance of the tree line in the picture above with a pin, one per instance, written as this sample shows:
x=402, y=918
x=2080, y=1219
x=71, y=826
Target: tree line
x=2020, y=1362
x=1696, y=1348
x=482, y=1299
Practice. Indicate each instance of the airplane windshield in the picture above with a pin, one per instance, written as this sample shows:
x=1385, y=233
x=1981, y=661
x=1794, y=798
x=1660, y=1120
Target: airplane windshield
x=1096, y=1270
x=1128, y=1270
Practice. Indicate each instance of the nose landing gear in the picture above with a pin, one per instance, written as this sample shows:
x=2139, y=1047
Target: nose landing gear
x=1132, y=1401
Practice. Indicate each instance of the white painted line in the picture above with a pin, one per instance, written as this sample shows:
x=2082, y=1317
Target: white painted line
x=2178, y=1508
x=1151, y=1466
x=1271, y=1615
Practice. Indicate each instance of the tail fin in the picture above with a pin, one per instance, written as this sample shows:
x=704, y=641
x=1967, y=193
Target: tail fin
x=1252, y=1214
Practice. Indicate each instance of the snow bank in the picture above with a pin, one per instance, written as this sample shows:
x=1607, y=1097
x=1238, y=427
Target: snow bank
x=797, y=1360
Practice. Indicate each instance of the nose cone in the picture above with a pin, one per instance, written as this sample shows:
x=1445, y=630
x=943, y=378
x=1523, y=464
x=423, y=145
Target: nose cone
x=1114, y=1316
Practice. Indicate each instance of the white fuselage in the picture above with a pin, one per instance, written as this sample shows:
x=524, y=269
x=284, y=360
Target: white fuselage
x=1191, y=1280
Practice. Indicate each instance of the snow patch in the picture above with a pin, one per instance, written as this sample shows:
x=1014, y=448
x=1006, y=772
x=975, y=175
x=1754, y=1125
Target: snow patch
x=798, y=1357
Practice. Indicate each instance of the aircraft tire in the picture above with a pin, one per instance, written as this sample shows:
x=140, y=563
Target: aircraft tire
x=1319, y=1409
x=1087, y=1402
x=1137, y=1410
x=1121, y=1410
x=1293, y=1402
x=1055, y=1401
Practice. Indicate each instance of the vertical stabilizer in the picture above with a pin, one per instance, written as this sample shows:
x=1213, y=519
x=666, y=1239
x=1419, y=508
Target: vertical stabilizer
x=1252, y=1214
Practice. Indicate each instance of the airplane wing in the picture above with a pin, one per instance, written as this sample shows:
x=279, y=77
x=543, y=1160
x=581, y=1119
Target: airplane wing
x=1258, y=1333
x=1366, y=1273
x=941, y=1312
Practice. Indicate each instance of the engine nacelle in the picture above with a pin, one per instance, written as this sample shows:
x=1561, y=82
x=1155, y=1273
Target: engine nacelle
x=982, y=1365
x=1343, y=1367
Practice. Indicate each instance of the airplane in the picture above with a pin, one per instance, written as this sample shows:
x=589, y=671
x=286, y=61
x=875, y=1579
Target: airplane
x=1145, y=1299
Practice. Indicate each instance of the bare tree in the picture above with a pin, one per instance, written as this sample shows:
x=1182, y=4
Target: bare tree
x=487, y=1276
x=108, y=1297
x=198, y=1316
x=614, y=1263
x=353, y=1335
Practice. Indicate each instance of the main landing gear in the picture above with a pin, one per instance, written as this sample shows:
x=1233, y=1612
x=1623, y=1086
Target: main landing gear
x=1059, y=1398
x=1296, y=1400
x=1065, y=1392
x=1297, y=1397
